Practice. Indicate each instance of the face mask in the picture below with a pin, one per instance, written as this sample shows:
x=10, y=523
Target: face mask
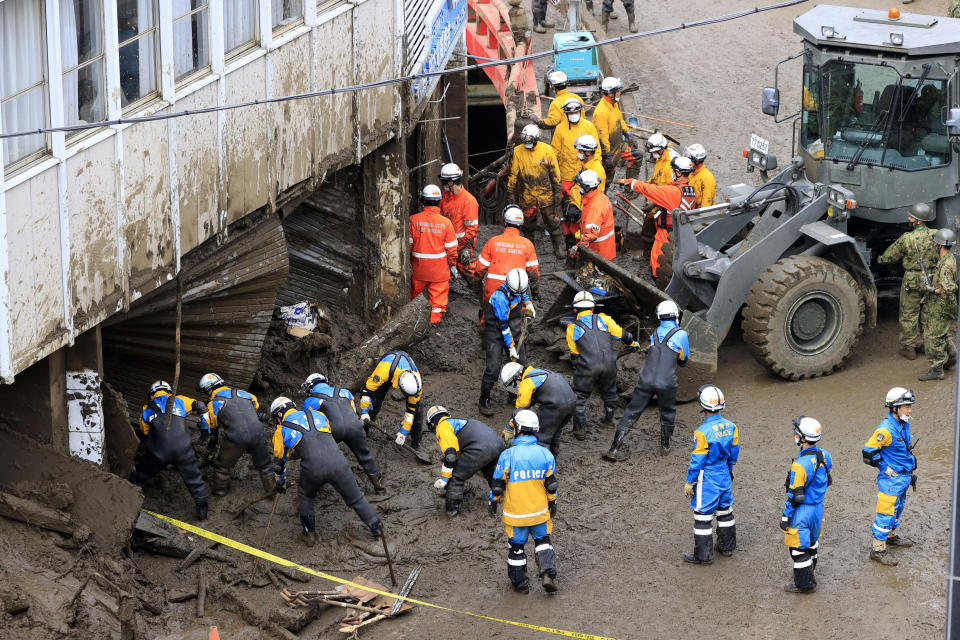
x=656, y=154
x=905, y=419
x=573, y=117
x=581, y=156
x=796, y=439
x=529, y=145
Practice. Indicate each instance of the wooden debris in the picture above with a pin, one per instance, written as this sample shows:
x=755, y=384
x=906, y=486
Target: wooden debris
x=249, y=503
x=181, y=595
x=35, y=514
x=198, y=551
x=201, y=593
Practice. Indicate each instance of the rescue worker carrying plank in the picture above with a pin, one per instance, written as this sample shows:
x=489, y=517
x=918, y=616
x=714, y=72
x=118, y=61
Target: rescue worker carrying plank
x=305, y=435
x=802, y=518
x=597, y=228
x=524, y=478
x=890, y=450
x=461, y=208
x=669, y=197
x=555, y=114
x=551, y=391
x=586, y=148
x=336, y=403
x=507, y=251
x=234, y=412
x=669, y=347
x=534, y=183
x=590, y=339
x=701, y=179
x=162, y=420
x=433, y=253
x=502, y=326
x=612, y=129
x=398, y=371
x=660, y=151
x=716, y=448
x=564, y=137
x=468, y=447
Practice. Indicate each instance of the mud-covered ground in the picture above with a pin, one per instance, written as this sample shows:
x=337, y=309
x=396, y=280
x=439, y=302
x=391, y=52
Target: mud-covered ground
x=620, y=529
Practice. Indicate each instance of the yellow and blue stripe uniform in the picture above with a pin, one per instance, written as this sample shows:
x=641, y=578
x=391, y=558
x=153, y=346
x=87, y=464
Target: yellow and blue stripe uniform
x=180, y=404
x=338, y=406
x=218, y=399
x=716, y=448
x=679, y=342
x=806, y=487
x=590, y=339
x=556, y=399
x=384, y=376
x=502, y=323
x=234, y=412
x=602, y=322
x=468, y=446
x=890, y=446
x=524, y=477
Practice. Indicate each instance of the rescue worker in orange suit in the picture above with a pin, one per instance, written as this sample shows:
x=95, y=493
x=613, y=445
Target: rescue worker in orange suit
x=396, y=370
x=507, y=251
x=660, y=151
x=701, y=179
x=676, y=195
x=502, y=326
x=551, y=391
x=555, y=115
x=590, y=339
x=235, y=413
x=586, y=147
x=524, y=479
x=461, y=208
x=468, y=447
x=163, y=422
x=306, y=435
x=564, y=138
x=433, y=253
x=336, y=403
x=596, y=223
x=612, y=129
x=534, y=183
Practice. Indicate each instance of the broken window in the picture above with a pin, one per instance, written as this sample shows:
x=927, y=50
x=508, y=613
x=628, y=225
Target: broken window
x=23, y=83
x=191, y=37
x=137, y=35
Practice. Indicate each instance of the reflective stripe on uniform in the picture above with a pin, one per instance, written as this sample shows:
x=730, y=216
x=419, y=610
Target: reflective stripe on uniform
x=525, y=515
x=543, y=547
x=702, y=532
x=595, y=227
x=428, y=256
x=460, y=235
x=517, y=563
x=532, y=263
x=703, y=517
x=724, y=512
x=796, y=552
x=483, y=261
x=700, y=488
x=436, y=309
x=495, y=276
x=604, y=236
x=802, y=565
x=450, y=244
x=726, y=523
x=471, y=223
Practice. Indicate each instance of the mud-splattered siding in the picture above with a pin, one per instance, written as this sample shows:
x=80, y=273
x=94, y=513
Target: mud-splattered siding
x=195, y=142
x=292, y=155
x=35, y=286
x=373, y=62
x=334, y=56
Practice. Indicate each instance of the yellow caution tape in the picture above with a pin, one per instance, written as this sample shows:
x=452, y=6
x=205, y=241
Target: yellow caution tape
x=269, y=557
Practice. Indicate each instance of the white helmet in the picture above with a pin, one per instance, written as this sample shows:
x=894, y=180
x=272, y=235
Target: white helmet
x=898, y=396
x=160, y=385
x=696, y=152
x=583, y=300
x=611, y=85
x=434, y=414
x=807, y=428
x=526, y=421
x=572, y=105
x=431, y=195
x=210, y=382
x=313, y=380
x=711, y=398
x=587, y=180
x=517, y=281
x=530, y=134
x=682, y=165
x=510, y=375
x=558, y=79
x=512, y=215
x=409, y=382
x=657, y=142
x=450, y=172
x=280, y=406
x=586, y=143
x=668, y=310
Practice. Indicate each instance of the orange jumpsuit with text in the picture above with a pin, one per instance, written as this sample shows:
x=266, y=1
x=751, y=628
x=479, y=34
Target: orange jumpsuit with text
x=433, y=250
x=504, y=252
x=669, y=197
x=463, y=211
x=596, y=225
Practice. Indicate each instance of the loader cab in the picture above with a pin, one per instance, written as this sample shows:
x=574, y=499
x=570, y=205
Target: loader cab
x=877, y=91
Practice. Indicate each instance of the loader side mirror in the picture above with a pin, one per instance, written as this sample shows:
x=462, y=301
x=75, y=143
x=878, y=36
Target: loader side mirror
x=953, y=122
x=771, y=101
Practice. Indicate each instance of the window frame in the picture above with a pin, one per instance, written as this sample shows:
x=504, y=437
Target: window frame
x=195, y=74
x=72, y=137
x=142, y=101
x=240, y=49
x=283, y=28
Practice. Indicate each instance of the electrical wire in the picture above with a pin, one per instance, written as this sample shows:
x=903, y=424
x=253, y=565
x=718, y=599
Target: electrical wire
x=403, y=79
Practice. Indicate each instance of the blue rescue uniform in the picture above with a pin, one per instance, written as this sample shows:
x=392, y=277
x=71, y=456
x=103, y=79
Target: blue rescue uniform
x=234, y=412
x=338, y=406
x=716, y=448
x=806, y=487
x=502, y=323
x=890, y=447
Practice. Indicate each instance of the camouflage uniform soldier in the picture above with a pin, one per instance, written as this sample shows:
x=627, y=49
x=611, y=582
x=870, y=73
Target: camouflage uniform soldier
x=954, y=10
x=940, y=309
x=909, y=249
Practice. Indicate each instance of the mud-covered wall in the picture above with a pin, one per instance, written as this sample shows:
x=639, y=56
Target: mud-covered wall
x=106, y=220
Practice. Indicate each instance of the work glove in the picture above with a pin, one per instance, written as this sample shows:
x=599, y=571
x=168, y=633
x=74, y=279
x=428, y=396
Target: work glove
x=507, y=435
x=890, y=472
x=606, y=158
x=688, y=489
x=626, y=181
x=634, y=346
x=454, y=273
x=280, y=487
x=514, y=355
x=401, y=438
x=553, y=508
x=784, y=522
x=263, y=416
x=529, y=311
x=492, y=507
x=574, y=250
x=913, y=481
x=376, y=527
x=441, y=483
x=365, y=419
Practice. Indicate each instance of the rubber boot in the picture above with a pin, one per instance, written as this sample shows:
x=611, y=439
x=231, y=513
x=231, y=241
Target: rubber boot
x=614, y=455
x=792, y=588
x=879, y=554
x=537, y=28
x=933, y=374
x=220, y=482
x=632, y=18
x=664, y=446
x=608, y=415
x=309, y=538
x=579, y=428
x=377, y=483
x=201, y=509
x=453, y=508
x=548, y=25
x=908, y=352
x=897, y=540
x=604, y=21
x=267, y=479
x=951, y=362
x=559, y=248
x=484, y=405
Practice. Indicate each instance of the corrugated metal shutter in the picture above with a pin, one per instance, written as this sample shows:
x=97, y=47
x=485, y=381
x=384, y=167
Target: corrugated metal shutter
x=228, y=300
x=326, y=247
x=416, y=38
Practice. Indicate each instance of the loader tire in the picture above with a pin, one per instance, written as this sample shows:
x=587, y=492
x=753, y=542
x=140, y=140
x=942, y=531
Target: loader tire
x=665, y=270
x=803, y=317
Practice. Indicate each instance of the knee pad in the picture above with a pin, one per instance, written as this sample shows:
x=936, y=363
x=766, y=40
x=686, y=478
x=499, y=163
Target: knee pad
x=551, y=484
x=450, y=457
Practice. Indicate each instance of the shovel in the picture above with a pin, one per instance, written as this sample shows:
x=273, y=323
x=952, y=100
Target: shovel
x=422, y=457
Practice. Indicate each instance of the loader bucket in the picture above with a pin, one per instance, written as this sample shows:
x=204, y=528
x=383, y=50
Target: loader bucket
x=704, y=341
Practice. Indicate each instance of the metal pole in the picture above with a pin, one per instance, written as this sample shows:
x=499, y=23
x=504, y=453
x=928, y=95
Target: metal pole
x=572, y=8
x=953, y=571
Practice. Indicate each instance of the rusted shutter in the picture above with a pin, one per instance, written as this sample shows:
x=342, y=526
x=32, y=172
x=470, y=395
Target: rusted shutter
x=228, y=300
